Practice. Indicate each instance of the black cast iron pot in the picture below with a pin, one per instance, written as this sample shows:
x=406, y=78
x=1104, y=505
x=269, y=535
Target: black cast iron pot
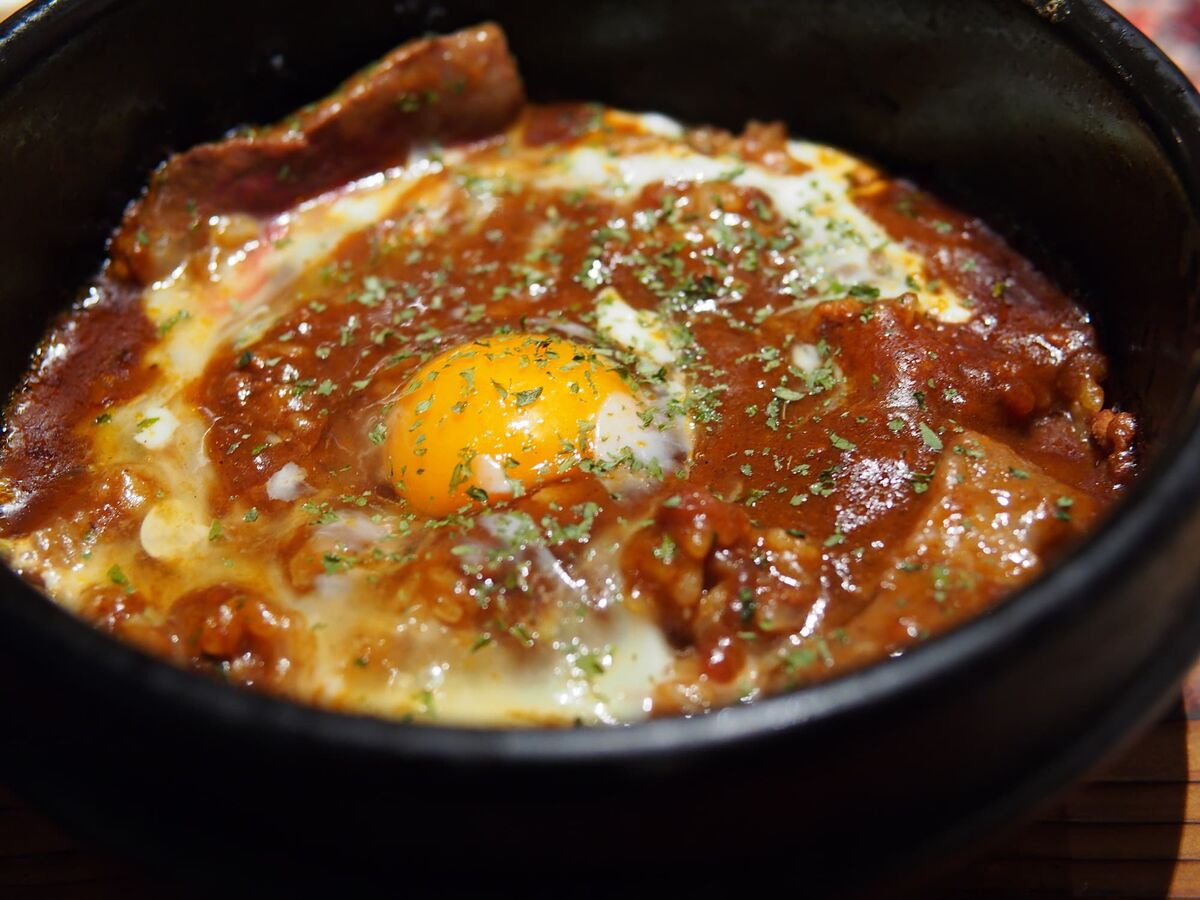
x=1054, y=120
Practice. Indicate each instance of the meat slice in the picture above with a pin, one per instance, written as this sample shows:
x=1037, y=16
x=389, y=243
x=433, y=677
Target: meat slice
x=993, y=522
x=460, y=87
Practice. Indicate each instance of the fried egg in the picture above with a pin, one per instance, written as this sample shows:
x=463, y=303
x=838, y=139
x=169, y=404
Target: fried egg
x=493, y=419
x=495, y=414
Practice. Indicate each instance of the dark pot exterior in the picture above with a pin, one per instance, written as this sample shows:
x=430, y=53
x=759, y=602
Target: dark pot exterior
x=1056, y=121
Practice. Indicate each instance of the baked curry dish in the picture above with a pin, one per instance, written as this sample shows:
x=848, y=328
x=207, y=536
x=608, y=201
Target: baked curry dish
x=431, y=403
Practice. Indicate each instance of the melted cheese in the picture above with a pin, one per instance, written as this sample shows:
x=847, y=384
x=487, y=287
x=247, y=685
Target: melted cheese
x=601, y=669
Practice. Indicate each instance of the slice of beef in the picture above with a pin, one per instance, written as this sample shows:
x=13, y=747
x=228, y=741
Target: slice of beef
x=444, y=90
x=993, y=522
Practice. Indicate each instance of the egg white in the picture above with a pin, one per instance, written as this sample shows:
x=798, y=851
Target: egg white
x=247, y=289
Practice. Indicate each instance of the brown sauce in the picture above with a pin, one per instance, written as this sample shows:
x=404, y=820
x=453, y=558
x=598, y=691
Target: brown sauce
x=922, y=471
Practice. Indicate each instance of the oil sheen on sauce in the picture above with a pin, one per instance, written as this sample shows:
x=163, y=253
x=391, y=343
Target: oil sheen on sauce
x=430, y=403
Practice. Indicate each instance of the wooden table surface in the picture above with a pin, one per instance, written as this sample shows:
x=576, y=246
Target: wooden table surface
x=1133, y=831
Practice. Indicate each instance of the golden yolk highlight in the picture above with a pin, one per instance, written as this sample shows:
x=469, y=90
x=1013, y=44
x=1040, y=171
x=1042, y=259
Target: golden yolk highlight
x=492, y=419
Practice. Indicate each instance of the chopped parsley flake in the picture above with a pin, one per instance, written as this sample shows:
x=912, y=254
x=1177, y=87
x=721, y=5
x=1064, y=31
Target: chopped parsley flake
x=930, y=437
x=665, y=551
x=524, y=398
x=1062, y=510
x=840, y=442
x=171, y=321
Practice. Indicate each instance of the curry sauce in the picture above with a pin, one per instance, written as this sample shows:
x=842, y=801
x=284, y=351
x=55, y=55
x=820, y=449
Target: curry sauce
x=432, y=403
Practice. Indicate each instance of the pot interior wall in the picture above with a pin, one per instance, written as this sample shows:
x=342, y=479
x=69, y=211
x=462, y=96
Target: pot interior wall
x=987, y=102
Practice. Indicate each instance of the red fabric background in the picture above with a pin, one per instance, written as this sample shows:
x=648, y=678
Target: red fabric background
x=1174, y=25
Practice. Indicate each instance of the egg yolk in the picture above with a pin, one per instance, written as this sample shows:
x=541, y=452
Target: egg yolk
x=489, y=420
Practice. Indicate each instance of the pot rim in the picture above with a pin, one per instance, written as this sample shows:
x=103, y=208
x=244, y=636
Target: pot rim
x=1158, y=501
